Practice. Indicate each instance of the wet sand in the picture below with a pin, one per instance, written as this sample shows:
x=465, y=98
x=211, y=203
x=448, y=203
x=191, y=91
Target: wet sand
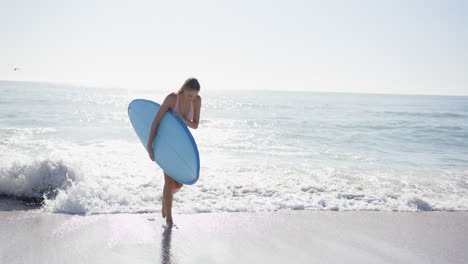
x=271, y=237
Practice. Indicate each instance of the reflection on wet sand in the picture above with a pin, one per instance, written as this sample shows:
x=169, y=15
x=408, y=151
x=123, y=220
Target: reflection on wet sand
x=166, y=257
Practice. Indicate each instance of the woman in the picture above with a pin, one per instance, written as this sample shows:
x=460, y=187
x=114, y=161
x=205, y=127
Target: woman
x=186, y=104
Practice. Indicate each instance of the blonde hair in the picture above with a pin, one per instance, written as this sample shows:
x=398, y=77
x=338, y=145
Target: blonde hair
x=190, y=83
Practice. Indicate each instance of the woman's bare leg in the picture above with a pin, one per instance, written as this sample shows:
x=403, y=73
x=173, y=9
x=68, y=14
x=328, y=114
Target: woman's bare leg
x=177, y=186
x=167, y=198
x=170, y=187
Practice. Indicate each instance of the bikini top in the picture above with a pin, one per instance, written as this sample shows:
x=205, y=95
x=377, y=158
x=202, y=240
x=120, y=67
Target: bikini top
x=189, y=115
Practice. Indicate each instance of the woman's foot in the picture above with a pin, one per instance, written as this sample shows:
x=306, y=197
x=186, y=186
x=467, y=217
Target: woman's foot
x=169, y=222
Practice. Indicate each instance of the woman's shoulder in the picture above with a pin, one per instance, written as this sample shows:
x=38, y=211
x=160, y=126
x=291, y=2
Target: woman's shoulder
x=171, y=96
x=171, y=99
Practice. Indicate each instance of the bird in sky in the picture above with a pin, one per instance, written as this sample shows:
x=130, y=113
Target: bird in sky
x=16, y=69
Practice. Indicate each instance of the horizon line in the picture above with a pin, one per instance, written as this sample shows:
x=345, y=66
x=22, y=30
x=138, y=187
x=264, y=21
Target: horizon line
x=86, y=86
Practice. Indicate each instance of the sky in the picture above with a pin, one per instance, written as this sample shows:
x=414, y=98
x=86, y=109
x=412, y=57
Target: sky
x=375, y=46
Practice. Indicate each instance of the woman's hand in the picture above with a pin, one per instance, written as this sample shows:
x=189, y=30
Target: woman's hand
x=177, y=114
x=150, y=151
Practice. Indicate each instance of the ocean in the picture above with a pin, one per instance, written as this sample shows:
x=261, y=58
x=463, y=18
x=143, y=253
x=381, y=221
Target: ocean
x=71, y=149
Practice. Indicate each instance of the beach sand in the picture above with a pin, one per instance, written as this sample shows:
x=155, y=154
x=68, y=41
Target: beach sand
x=263, y=237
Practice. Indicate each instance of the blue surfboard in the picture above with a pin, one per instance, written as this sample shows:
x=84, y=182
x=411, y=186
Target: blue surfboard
x=175, y=150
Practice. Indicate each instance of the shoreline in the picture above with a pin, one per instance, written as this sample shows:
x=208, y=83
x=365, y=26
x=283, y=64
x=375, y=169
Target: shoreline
x=263, y=237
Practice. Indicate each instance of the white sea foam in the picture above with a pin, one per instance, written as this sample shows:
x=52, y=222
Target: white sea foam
x=249, y=188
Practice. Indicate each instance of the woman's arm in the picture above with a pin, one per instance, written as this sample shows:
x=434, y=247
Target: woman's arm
x=196, y=115
x=168, y=103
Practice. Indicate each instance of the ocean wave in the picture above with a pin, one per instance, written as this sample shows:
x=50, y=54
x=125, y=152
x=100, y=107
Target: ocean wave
x=449, y=127
x=17, y=136
x=423, y=114
x=250, y=188
x=38, y=180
